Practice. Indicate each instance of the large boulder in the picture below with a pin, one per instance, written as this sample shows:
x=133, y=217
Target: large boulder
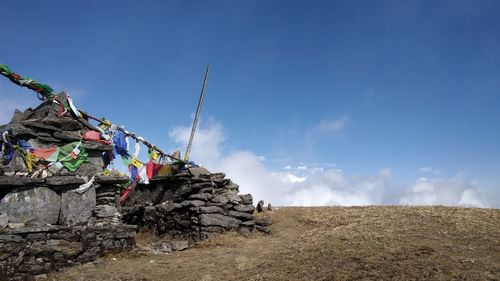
x=76, y=208
x=35, y=206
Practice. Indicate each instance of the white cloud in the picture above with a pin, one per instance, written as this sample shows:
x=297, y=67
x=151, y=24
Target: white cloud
x=330, y=126
x=430, y=170
x=307, y=185
x=206, y=143
x=448, y=192
x=291, y=178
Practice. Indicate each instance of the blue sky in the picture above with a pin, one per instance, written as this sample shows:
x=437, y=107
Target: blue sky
x=361, y=87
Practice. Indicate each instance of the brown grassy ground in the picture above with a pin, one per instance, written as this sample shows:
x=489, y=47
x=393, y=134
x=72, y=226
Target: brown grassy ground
x=366, y=243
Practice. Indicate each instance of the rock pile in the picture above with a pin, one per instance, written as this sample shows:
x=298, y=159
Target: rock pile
x=194, y=204
x=48, y=220
x=43, y=128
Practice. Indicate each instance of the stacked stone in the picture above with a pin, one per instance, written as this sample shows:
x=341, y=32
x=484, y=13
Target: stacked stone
x=31, y=252
x=108, y=200
x=43, y=128
x=194, y=203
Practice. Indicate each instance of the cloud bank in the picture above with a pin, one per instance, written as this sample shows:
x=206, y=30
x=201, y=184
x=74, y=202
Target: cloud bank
x=305, y=185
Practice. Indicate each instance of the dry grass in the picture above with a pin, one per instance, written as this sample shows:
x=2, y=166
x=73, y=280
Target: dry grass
x=365, y=243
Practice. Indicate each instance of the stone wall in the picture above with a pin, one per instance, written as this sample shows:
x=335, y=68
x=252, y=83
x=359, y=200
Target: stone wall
x=195, y=204
x=46, y=224
x=30, y=251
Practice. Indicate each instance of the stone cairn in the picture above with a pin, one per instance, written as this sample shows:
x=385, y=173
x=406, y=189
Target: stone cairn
x=45, y=224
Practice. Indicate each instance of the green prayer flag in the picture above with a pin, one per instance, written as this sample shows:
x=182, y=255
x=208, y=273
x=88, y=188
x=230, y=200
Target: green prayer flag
x=72, y=155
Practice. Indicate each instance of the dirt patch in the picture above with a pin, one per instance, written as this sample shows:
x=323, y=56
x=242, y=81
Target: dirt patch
x=328, y=243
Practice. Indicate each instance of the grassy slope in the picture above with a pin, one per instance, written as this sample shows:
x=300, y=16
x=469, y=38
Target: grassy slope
x=366, y=243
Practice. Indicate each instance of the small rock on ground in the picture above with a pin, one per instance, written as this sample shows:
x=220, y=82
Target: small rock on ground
x=179, y=245
x=260, y=206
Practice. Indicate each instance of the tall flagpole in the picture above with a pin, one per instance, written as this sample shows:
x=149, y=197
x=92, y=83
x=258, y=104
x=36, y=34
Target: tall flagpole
x=195, y=122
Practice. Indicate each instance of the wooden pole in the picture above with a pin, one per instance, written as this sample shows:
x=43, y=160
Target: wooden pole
x=195, y=122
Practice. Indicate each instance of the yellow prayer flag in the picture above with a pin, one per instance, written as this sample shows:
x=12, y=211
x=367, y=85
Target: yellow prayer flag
x=136, y=163
x=154, y=155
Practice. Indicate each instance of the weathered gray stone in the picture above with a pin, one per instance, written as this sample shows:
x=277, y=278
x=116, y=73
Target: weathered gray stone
x=240, y=215
x=77, y=208
x=270, y=207
x=192, y=203
x=49, y=139
x=11, y=238
x=217, y=175
x=37, y=123
x=88, y=145
x=209, y=190
x=36, y=229
x=182, y=174
x=101, y=193
x=243, y=230
x=211, y=210
x=36, y=236
x=105, y=211
x=40, y=277
x=216, y=229
x=19, y=130
x=67, y=136
x=219, y=220
x=179, y=245
x=158, y=248
x=15, y=181
x=65, y=180
x=65, y=247
x=265, y=221
x=232, y=186
x=88, y=169
x=36, y=206
x=15, y=225
x=184, y=189
x=260, y=206
x=263, y=229
x=201, y=196
x=220, y=199
x=248, y=224
x=246, y=199
x=44, y=134
x=222, y=205
x=64, y=123
x=17, y=116
x=244, y=208
x=232, y=197
x=17, y=163
x=112, y=179
x=165, y=207
x=198, y=171
x=4, y=220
